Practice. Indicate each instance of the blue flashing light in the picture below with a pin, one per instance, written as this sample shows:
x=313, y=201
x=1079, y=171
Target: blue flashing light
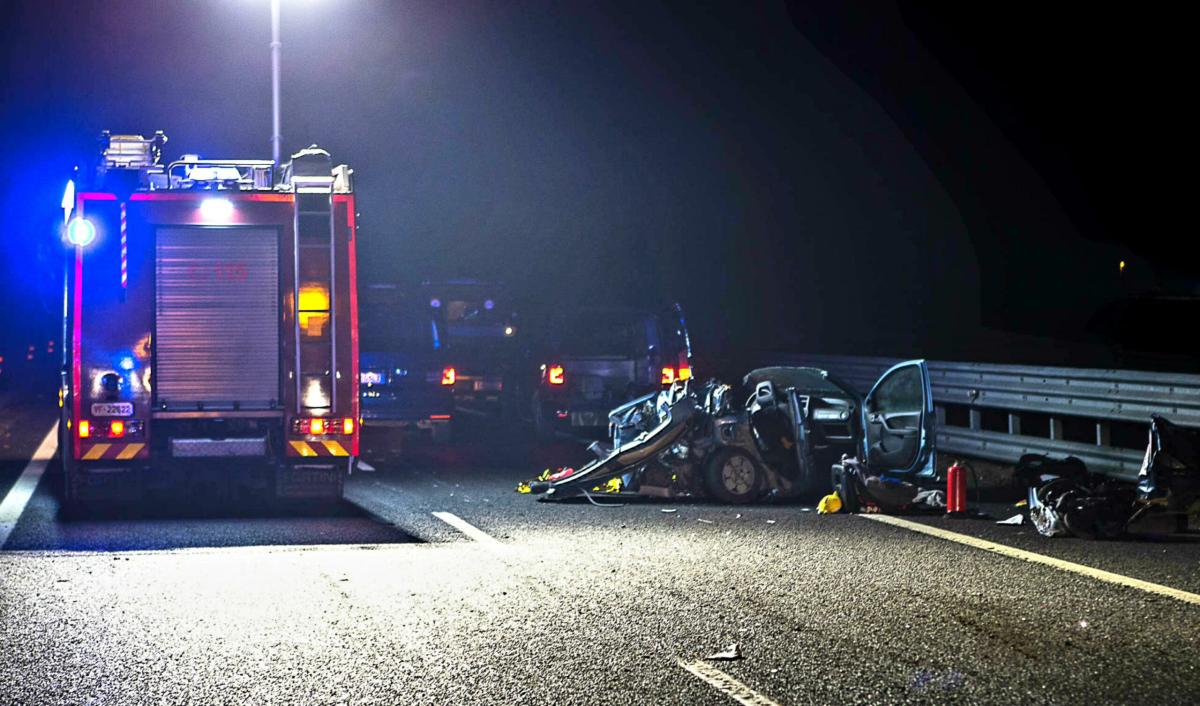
x=435, y=303
x=489, y=305
x=80, y=232
x=437, y=340
x=127, y=363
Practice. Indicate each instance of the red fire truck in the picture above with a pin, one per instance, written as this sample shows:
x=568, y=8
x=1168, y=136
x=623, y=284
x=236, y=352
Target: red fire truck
x=211, y=333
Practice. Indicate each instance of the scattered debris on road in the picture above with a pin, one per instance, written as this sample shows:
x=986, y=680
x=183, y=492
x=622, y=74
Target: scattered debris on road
x=1017, y=519
x=732, y=651
x=829, y=504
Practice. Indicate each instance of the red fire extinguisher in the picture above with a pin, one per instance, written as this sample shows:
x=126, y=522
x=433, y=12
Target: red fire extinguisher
x=956, y=489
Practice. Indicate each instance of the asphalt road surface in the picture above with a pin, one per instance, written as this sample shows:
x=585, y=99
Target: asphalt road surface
x=498, y=598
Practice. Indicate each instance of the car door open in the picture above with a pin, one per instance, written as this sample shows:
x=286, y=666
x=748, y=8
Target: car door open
x=898, y=421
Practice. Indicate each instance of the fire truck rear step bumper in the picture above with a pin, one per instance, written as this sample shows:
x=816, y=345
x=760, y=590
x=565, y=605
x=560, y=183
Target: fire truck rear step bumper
x=207, y=448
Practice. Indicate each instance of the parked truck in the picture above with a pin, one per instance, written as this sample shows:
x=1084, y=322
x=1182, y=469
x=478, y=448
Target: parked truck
x=210, y=325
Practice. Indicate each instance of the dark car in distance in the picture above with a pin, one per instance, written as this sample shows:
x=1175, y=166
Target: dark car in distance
x=590, y=360
x=406, y=379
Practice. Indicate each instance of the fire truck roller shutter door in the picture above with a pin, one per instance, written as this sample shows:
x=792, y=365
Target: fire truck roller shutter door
x=217, y=318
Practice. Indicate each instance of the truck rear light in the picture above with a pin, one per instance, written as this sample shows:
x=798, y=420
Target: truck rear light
x=116, y=429
x=449, y=375
x=439, y=417
x=555, y=375
x=320, y=426
x=685, y=373
x=85, y=429
x=668, y=376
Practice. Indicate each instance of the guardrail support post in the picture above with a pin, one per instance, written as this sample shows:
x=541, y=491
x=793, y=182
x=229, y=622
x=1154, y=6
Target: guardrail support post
x=1014, y=424
x=1056, y=430
x=976, y=419
x=1103, y=434
x=939, y=413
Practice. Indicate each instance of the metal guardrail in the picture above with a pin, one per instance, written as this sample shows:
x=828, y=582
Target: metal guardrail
x=1094, y=396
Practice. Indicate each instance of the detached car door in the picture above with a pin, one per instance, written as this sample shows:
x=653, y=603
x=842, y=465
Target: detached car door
x=898, y=422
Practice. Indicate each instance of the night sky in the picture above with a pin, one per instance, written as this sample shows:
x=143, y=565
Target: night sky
x=882, y=180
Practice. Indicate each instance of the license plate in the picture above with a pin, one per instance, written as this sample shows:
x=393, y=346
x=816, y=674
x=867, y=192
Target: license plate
x=112, y=409
x=370, y=377
x=587, y=419
x=488, y=385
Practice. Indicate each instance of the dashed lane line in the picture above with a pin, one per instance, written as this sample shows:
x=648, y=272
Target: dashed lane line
x=726, y=684
x=472, y=531
x=1062, y=565
x=18, y=496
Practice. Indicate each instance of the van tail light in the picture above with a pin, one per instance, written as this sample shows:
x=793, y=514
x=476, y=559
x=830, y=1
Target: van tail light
x=555, y=375
x=449, y=375
x=673, y=375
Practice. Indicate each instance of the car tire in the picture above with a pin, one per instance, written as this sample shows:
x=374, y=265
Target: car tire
x=846, y=489
x=733, y=476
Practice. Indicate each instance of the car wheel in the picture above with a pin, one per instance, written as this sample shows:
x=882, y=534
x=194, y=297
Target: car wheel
x=733, y=476
x=846, y=489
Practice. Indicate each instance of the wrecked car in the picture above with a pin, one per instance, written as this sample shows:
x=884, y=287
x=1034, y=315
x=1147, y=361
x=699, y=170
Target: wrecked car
x=777, y=434
x=1065, y=498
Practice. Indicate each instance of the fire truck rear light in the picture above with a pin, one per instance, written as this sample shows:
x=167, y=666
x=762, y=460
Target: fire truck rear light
x=685, y=373
x=317, y=426
x=85, y=429
x=116, y=429
x=347, y=426
x=449, y=375
x=668, y=376
x=555, y=375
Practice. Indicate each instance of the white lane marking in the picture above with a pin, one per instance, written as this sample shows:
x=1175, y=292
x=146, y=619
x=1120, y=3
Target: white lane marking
x=726, y=684
x=18, y=496
x=1013, y=552
x=470, y=530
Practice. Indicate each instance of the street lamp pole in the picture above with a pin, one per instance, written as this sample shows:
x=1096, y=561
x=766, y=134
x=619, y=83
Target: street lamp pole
x=276, y=137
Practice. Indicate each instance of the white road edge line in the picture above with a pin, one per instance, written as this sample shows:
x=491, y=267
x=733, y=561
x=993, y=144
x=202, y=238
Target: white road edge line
x=1061, y=564
x=470, y=530
x=18, y=496
x=726, y=684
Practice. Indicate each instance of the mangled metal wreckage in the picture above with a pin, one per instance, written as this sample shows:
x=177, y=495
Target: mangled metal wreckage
x=1065, y=498
x=783, y=432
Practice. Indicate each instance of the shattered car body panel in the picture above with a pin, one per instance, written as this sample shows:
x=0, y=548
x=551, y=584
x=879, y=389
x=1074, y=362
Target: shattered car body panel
x=776, y=435
x=1067, y=499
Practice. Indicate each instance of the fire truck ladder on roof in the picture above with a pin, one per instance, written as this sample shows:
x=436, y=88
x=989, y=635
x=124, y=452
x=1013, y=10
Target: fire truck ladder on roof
x=313, y=234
